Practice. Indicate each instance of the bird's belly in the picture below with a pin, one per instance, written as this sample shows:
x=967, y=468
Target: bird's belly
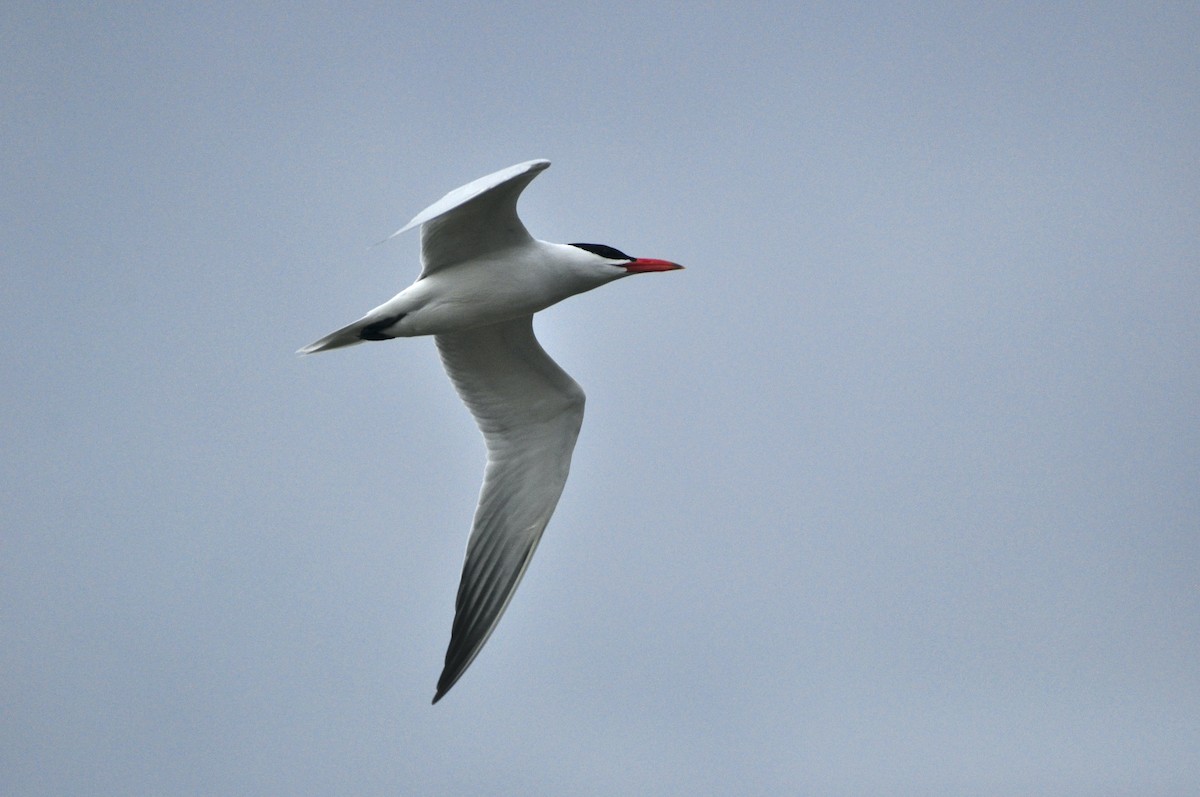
x=449, y=315
x=438, y=305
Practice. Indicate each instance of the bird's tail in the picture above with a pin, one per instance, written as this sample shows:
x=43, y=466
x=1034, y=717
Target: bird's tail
x=346, y=336
x=371, y=327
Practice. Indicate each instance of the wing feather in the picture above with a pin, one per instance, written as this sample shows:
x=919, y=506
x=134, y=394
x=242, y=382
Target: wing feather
x=475, y=219
x=529, y=411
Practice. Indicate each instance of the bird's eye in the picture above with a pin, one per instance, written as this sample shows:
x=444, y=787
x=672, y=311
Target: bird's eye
x=612, y=253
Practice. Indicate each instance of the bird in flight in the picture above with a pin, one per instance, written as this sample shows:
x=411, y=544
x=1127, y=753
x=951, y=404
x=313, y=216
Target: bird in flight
x=483, y=276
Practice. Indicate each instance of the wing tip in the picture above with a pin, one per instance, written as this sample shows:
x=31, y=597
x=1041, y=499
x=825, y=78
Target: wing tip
x=451, y=672
x=516, y=170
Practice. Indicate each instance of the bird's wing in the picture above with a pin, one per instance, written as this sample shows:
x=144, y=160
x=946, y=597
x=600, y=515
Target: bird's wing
x=475, y=219
x=529, y=411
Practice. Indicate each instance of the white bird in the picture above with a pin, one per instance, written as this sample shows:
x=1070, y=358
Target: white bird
x=483, y=276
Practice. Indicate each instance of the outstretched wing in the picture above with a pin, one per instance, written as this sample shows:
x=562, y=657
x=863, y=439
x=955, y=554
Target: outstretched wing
x=474, y=220
x=529, y=411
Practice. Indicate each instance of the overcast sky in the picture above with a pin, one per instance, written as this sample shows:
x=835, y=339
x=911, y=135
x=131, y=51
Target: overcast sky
x=894, y=491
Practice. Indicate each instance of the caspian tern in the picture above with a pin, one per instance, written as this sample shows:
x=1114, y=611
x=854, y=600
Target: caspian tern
x=483, y=276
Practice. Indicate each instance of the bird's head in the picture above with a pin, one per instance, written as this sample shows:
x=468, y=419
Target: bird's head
x=621, y=264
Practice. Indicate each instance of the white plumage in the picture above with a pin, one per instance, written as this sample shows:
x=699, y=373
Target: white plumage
x=483, y=276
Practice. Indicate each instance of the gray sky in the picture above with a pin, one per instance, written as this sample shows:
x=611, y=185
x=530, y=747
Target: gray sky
x=895, y=491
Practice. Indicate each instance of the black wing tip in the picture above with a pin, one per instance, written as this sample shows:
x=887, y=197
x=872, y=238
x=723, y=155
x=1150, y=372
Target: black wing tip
x=446, y=682
x=442, y=688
